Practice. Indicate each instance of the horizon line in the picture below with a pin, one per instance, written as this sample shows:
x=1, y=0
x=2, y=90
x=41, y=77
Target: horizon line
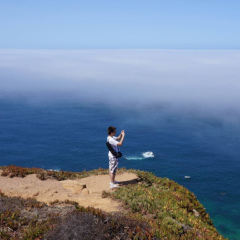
x=162, y=49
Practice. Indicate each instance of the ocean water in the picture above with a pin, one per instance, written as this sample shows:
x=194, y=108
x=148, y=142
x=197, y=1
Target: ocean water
x=71, y=136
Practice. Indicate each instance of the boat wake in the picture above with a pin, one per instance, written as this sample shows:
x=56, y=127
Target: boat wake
x=144, y=156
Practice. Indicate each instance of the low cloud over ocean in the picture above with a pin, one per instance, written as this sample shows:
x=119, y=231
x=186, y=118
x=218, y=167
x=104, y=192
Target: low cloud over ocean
x=182, y=79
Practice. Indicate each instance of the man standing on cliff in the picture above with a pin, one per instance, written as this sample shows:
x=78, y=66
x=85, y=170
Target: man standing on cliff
x=113, y=161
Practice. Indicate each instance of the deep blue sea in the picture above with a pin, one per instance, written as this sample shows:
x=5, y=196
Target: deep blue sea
x=71, y=136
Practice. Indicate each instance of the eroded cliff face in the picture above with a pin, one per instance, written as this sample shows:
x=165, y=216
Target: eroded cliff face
x=145, y=206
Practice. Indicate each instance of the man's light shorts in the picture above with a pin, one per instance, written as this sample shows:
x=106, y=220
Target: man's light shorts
x=113, y=164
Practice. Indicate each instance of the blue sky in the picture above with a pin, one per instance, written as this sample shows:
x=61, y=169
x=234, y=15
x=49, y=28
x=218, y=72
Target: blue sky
x=131, y=24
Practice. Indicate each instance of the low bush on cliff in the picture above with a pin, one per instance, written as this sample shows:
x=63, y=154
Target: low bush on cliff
x=26, y=218
x=89, y=223
x=171, y=210
x=15, y=171
x=29, y=219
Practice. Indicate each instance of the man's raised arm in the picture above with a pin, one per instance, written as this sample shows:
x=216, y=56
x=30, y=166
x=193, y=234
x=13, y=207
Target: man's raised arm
x=122, y=139
x=119, y=137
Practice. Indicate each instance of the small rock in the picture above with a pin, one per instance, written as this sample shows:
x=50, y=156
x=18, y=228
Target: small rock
x=73, y=186
x=25, y=195
x=9, y=229
x=196, y=213
x=83, y=186
x=35, y=194
x=85, y=191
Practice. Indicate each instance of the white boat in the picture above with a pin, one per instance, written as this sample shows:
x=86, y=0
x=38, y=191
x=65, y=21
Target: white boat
x=148, y=154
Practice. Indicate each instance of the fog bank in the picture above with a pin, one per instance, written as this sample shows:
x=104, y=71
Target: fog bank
x=202, y=79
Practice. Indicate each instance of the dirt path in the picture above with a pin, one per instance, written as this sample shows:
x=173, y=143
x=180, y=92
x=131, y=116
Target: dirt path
x=86, y=191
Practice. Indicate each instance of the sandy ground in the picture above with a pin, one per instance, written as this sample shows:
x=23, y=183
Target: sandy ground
x=86, y=191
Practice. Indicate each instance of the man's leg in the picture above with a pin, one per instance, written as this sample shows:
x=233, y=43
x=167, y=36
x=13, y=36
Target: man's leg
x=113, y=164
x=112, y=176
x=111, y=169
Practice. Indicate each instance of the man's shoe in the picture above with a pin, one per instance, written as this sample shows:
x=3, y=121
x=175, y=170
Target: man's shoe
x=113, y=185
x=115, y=182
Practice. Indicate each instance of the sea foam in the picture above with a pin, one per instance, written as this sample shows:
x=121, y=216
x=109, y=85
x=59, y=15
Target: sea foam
x=134, y=158
x=144, y=155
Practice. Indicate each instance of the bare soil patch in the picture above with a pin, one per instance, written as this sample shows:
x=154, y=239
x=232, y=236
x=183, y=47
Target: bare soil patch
x=86, y=191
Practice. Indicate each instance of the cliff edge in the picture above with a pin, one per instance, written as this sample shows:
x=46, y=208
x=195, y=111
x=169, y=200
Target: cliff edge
x=40, y=204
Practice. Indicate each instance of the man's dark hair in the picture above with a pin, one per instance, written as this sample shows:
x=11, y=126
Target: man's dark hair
x=111, y=130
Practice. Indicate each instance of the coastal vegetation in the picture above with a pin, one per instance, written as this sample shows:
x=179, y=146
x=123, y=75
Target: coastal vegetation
x=153, y=208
